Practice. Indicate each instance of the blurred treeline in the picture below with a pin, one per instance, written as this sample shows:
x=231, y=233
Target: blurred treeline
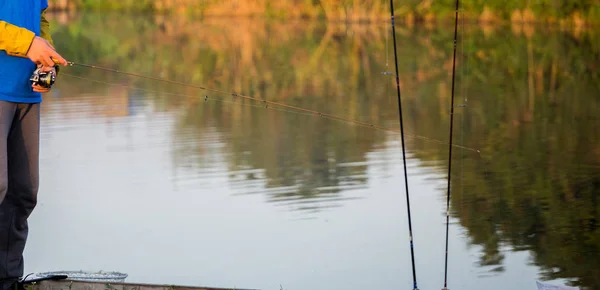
x=532, y=100
x=576, y=12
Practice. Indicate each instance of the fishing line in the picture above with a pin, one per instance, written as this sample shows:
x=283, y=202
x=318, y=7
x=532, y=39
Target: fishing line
x=450, y=147
x=387, y=48
x=387, y=31
x=269, y=104
x=465, y=60
x=464, y=67
x=412, y=250
x=206, y=98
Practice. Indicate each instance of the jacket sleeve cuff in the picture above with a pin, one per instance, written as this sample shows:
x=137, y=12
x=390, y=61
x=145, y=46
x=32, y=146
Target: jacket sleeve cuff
x=16, y=40
x=24, y=42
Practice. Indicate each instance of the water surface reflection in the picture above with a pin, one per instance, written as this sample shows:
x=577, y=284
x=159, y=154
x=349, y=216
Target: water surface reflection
x=174, y=189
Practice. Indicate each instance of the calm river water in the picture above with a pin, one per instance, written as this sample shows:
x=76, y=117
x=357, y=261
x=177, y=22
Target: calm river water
x=153, y=180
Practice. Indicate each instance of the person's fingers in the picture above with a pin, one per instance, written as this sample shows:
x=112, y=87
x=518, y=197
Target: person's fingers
x=40, y=89
x=36, y=60
x=47, y=61
x=46, y=68
x=42, y=52
x=57, y=58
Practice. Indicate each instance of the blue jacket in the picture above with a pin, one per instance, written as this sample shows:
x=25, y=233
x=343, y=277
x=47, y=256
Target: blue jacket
x=20, y=22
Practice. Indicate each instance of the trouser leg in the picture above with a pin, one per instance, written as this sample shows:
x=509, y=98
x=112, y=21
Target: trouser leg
x=19, y=166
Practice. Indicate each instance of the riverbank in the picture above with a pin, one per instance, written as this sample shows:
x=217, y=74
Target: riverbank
x=575, y=13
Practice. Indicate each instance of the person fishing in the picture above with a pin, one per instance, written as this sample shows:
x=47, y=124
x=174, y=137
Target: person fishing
x=25, y=45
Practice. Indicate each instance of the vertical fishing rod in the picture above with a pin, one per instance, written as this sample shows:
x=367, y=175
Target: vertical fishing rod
x=450, y=148
x=412, y=252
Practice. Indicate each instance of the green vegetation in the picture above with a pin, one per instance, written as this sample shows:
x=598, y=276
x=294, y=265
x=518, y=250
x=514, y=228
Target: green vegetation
x=576, y=12
x=532, y=98
x=138, y=5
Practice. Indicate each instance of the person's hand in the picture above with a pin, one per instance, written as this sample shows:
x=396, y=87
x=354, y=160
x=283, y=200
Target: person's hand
x=40, y=89
x=41, y=52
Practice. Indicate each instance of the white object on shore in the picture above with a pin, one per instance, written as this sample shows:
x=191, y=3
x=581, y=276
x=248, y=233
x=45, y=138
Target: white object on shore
x=546, y=286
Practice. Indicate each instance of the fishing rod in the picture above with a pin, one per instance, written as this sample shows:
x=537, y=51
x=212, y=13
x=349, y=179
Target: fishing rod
x=410, y=233
x=450, y=147
x=49, y=81
x=47, y=78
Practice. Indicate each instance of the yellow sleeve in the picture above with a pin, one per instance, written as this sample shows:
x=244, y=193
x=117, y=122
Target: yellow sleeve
x=45, y=29
x=15, y=40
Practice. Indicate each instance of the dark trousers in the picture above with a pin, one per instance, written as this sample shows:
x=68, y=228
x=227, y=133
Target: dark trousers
x=19, y=179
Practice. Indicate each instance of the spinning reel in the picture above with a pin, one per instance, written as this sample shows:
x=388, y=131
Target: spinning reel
x=43, y=79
